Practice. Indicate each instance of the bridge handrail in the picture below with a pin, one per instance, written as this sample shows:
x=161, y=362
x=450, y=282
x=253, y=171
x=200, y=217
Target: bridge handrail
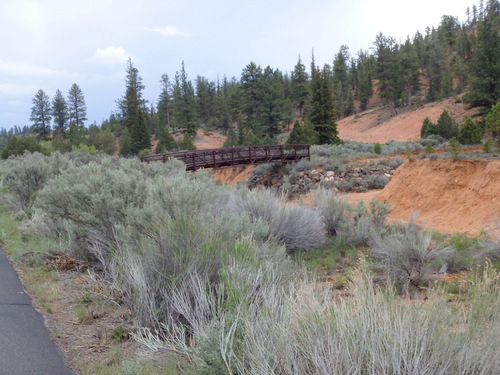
x=232, y=156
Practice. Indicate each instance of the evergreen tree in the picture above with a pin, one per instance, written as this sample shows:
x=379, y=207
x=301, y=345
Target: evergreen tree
x=60, y=113
x=166, y=141
x=321, y=114
x=61, y=143
x=365, y=88
x=341, y=82
x=18, y=145
x=133, y=96
x=388, y=70
x=428, y=128
x=273, y=107
x=186, y=144
x=184, y=103
x=41, y=115
x=205, y=99
x=222, y=111
x=105, y=141
x=141, y=138
x=76, y=106
x=231, y=139
x=302, y=134
x=126, y=144
x=447, y=126
x=250, y=139
x=437, y=68
x=492, y=120
x=299, y=87
x=470, y=133
x=485, y=67
x=409, y=67
x=251, y=95
x=165, y=99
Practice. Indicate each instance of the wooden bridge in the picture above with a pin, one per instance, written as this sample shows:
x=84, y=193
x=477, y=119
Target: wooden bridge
x=235, y=156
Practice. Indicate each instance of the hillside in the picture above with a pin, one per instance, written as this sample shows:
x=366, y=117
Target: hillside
x=448, y=196
x=378, y=125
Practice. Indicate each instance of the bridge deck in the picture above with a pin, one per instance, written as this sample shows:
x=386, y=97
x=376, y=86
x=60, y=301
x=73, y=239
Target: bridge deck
x=235, y=156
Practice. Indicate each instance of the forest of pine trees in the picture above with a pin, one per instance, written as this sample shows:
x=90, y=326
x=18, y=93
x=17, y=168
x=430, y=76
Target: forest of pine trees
x=452, y=59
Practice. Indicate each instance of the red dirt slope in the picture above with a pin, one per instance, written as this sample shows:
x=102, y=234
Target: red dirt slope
x=379, y=125
x=450, y=197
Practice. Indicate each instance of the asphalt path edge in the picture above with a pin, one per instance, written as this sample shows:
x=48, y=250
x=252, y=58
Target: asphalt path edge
x=26, y=347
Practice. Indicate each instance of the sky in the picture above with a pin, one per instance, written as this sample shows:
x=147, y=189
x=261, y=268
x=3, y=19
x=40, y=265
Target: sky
x=51, y=44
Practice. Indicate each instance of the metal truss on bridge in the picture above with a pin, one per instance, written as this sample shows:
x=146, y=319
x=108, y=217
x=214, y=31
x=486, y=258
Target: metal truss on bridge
x=235, y=156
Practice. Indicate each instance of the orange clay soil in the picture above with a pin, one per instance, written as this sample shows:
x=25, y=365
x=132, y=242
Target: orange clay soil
x=381, y=126
x=233, y=175
x=449, y=196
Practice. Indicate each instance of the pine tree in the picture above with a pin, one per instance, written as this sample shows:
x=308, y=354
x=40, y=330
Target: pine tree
x=492, y=121
x=251, y=95
x=365, y=88
x=250, y=139
x=231, y=139
x=341, y=82
x=186, y=144
x=126, y=144
x=166, y=141
x=205, y=100
x=222, y=111
x=60, y=113
x=470, y=133
x=41, y=115
x=409, y=67
x=184, y=103
x=76, y=106
x=428, y=128
x=141, y=138
x=273, y=107
x=485, y=68
x=321, y=114
x=302, y=134
x=133, y=96
x=165, y=98
x=447, y=126
x=299, y=87
x=388, y=70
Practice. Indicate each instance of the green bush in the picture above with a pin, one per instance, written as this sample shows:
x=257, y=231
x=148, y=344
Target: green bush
x=470, y=133
x=19, y=145
x=455, y=148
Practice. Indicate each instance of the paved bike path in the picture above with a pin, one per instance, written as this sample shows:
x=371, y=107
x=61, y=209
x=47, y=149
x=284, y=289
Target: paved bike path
x=26, y=347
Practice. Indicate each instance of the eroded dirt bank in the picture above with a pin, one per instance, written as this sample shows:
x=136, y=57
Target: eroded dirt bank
x=449, y=196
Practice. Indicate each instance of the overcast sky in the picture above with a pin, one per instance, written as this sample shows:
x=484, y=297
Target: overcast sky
x=51, y=44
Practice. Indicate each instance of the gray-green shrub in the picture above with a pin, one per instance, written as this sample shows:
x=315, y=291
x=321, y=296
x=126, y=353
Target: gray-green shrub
x=298, y=227
x=26, y=175
x=406, y=253
x=354, y=225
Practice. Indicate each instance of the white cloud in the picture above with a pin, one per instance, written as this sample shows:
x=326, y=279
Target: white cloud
x=166, y=31
x=111, y=55
x=24, y=70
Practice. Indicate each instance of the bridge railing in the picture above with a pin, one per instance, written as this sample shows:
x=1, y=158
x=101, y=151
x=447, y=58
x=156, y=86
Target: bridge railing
x=235, y=156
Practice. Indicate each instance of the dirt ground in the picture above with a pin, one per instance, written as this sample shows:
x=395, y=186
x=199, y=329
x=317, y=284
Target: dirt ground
x=233, y=175
x=381, y=126
x=448, y=196
x=204, y=141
